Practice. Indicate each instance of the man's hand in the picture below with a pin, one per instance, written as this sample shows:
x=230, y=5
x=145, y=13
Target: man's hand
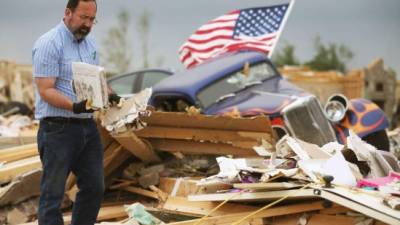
x=80, y=107
x=114, y=99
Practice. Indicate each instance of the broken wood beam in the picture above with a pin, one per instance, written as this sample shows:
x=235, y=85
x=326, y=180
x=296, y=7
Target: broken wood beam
x=196, y=134
x=141, y=191
x=200, y=148
x=9, y=171
x=22, y=188
x=12, y=154
x=179, y=187
x=184, y=120
x=137, y=147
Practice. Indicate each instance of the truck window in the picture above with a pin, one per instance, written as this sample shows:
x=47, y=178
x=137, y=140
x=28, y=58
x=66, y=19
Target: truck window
x=234, y=82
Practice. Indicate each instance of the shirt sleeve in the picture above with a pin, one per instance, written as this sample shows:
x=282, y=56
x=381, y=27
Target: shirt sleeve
x=45, y=59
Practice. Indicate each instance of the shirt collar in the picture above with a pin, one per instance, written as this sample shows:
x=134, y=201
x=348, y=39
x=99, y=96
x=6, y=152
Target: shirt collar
x=69, y=34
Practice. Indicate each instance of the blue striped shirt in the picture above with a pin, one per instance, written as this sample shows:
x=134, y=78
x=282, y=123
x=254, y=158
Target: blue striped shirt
x=52, y=56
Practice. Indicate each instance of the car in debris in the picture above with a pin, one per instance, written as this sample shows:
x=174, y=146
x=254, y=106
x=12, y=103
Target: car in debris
x=133, y=82
x=247, y=83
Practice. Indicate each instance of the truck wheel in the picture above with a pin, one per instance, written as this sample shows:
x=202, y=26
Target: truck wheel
x=378, y=139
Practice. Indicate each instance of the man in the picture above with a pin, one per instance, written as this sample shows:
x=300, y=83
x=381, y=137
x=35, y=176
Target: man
x=68, y=139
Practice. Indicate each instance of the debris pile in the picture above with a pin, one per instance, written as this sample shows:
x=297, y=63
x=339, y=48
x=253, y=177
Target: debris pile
x=16, y=83
x=188, y=168
x=17, y=130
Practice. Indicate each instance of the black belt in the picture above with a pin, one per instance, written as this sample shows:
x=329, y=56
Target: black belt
x=67, y=120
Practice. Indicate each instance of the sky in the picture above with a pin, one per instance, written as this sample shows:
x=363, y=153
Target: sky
x=370, y=28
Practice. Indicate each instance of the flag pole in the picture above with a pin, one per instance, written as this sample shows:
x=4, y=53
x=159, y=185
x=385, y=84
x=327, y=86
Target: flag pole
x=289, y=10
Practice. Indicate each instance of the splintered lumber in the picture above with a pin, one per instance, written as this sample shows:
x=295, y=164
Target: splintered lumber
x=275, y=211
x=137, y=147
x=203, y=134
x=180, y=205
x=22, y=188
x=9, y=171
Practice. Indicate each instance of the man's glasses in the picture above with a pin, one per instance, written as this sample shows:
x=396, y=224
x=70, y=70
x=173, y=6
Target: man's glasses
x=85, y=18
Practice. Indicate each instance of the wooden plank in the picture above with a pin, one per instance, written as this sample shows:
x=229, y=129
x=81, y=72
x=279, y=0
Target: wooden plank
x=184, y=120
x=21, y=148
x=111, y=212
x=141, y=191
x=255, y=196
x=27, y=186
x=197, y=134
x=180, y=205
x=266, y=186
x=275, y=211
x=17, y=153
x=318, y=219
x=110, y=155
x=336, y=209
x=362, y=202
x=11, y=170
x=291, y=219
x=20, y=140
x=137, y=147
x=191, y=147
x=115, y=161
x=180, y=187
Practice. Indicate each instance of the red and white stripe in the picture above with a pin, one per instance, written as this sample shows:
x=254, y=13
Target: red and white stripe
x=216, y=37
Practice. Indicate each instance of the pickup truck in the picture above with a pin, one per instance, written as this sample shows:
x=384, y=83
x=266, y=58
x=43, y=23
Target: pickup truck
x=248, y=84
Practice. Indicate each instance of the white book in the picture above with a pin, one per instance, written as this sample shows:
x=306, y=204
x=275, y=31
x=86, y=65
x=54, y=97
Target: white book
x=90, y=84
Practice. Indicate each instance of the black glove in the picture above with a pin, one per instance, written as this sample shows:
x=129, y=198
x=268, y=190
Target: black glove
x=114, y=99
x=80, y=107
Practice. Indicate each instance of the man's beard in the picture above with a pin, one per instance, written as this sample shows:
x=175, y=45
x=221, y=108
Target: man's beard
x=81, y=32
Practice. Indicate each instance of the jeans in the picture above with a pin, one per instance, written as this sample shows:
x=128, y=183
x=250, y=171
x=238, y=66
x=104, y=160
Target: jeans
x=70, y=146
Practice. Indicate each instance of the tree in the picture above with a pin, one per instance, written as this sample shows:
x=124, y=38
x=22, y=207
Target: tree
x=285, y=56
x=330, y=57
x=117, y=54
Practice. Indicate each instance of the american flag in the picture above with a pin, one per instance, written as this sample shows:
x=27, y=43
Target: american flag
x=247, y=29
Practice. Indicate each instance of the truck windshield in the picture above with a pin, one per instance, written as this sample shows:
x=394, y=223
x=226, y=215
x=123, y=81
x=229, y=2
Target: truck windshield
x=234, y=82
